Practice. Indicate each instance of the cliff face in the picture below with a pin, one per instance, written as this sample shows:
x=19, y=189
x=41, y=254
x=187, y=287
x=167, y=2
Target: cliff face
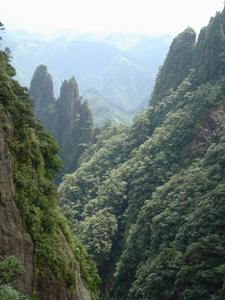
x=14, y=240
x=32, y=227
x=42, y=90
x=53, y=288
x=68, y=108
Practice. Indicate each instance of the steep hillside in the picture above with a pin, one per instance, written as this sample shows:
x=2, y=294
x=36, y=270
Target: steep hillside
x=39, y=255
x=148, y=201
x=68, y=118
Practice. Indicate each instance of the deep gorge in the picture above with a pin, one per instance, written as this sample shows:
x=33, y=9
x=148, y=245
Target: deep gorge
x=127, y=212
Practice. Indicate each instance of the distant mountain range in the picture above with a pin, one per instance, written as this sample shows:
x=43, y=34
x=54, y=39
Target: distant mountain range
x=115, y=73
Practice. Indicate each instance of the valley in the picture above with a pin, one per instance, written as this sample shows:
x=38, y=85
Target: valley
x=112, y=178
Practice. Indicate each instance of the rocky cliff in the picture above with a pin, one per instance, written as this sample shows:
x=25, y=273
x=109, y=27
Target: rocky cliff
x=68, y=118
x=32, y=227
x=14, y=240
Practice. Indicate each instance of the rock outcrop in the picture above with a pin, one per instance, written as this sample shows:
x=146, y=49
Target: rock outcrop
x=68, y=118
x=14, y=240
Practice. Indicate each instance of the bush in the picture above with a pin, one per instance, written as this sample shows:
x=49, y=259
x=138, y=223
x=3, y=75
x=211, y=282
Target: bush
x=10, y=269
x=9, y=293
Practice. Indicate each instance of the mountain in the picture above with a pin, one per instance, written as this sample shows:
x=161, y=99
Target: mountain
x=148, y=200
x=39, y=256
x=123, y=80
x=103, y=111
x=68, y=118
x=117, y=66
x=42, y=96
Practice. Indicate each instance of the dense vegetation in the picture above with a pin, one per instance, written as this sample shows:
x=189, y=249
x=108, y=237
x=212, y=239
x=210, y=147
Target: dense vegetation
x=10, y=269
x=148, y=201
x=35, y=163
x=68, y=118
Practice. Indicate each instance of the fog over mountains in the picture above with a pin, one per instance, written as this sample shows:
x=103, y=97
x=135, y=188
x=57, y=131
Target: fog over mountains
x=115, y=73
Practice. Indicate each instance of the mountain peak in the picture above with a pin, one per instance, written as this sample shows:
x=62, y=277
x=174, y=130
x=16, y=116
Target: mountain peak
x=69, y=90
x=176, y=65
x=41, y=90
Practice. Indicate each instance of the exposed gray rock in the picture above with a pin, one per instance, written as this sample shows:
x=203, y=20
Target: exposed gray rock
x=13, y=238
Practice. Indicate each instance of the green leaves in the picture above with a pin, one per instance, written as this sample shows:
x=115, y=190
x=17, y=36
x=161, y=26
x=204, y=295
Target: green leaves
x=162, y=183
x=7, y=292
x=10, y=269
x=97, y=233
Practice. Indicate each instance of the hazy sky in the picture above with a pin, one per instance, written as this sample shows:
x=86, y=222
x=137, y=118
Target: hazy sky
x=141, y=16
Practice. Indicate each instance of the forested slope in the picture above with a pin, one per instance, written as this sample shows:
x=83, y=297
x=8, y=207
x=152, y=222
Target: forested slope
x=39, y=256
x=148, y=201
